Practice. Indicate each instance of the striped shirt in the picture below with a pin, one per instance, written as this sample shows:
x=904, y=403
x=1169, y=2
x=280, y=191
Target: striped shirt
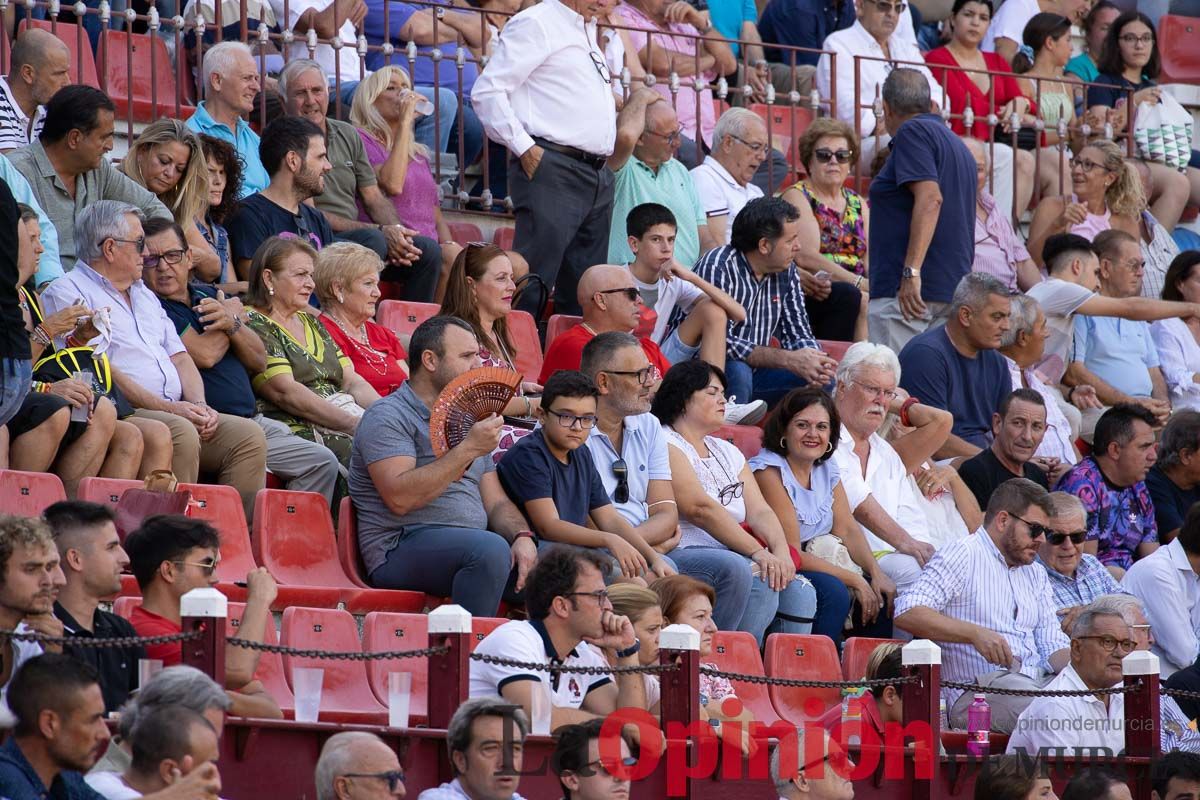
x=1091, y=580
x=774, y=304
x=969, y=580
x=15, y=130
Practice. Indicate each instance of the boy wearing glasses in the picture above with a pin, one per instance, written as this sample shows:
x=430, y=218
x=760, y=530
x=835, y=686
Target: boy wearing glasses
x=550, y=475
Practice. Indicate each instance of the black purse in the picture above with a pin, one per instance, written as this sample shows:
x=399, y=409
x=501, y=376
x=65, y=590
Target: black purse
x=63, y=364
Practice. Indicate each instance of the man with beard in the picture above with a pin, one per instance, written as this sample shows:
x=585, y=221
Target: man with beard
x=92, y=561
x=984, y=600
x=31, y=579
x=436, y=524
x=1017, y=428
x=294, y=153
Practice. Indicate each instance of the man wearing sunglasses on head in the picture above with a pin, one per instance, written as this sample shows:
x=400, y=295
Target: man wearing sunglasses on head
x=356, y=765
x=1076, y=578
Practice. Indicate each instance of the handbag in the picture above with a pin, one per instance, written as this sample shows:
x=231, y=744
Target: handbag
x=138, y=505
x=63, y=364
x=1163, y=132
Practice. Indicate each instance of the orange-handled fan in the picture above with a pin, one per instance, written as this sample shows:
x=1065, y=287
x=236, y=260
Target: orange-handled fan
x=467, y=399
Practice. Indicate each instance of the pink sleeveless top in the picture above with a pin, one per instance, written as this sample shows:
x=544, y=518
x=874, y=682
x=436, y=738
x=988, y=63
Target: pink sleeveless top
x=1094, y=224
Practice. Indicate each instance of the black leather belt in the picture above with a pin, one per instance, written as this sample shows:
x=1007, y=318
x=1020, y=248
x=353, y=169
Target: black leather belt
x=593, y=161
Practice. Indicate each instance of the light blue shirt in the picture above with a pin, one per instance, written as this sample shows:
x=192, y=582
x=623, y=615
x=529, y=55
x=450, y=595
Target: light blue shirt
x=49, y=266
x=814, y=506
x=644, y=448
x=245, y=142
x=1119, y=351
x=452, y=791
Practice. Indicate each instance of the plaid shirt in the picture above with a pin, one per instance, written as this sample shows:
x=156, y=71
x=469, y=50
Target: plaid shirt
x=773, y=303
x=1092, y=579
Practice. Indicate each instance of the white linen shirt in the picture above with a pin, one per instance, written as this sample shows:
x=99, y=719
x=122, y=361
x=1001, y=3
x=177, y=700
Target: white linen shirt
x=855, y=41
x=721, y=195
x=542, y=81
x=1072, y=723
x=452, y=791
x=886, y=479
x=1009, y=22
x=143, y=337
x=528, y=641
x=1179, y=360
x=1170, y=589
x=969, y=580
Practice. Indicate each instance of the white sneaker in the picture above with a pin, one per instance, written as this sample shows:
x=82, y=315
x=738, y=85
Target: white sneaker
x=744, y=413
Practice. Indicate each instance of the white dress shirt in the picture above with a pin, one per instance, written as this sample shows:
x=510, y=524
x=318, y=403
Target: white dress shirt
x=1170, y=589
x=886, y=479
x=342, y=63
x=1179, y=360
x=855, y=41
x=544, y=79
x=1070, y=722
x=969, y=580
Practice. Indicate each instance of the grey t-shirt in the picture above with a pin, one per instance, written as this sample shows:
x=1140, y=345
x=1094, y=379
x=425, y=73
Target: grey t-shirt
x=398, y=425
x=1059, y=300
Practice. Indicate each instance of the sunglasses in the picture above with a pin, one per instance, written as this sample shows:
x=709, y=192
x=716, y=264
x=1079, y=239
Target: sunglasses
x=621, y=473
x=631, y=293
x=1055, y=538
x=1036, y=531
x=825, y=155
x=207, y=567
x=393, y=777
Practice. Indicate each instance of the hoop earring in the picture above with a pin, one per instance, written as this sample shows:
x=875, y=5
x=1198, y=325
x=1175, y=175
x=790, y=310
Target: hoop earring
x=783, y=443
x=828, y=448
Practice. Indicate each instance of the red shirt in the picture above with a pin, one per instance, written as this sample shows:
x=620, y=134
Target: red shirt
x=959, y=87
x=566, y=352
x=150, y=624
x=379, y=363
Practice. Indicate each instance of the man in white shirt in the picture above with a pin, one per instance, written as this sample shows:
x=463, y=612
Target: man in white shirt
x=546, y=94
x=340, y=65
x=1166, y=581
x=723, y=181
x=570, y=622
x=484, y=738
x=356, y=765
x=30, y=579
x=1006, y=33
x=169, y=744
x=985, y=601
x=39, y=67
x=873, y=34
x=800, y=775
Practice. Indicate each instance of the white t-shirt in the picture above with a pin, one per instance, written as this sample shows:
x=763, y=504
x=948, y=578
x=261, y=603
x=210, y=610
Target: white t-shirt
x=528, y=641
x=23, y=652
x=1010, y=21
x=672, y=293
x=111, y=786
x=715, y=473
x=324, y=55
x=720, y=194
x=1059, y=300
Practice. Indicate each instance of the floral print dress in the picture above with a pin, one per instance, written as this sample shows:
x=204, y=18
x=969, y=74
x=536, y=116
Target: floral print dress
x=843, y=236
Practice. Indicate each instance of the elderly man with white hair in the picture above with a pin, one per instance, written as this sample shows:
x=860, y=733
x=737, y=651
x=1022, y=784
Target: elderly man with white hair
x=150, y=364
x=230, y=79
x=1076, y=578
x=356, y=765
x=799, y=775
x=901, y=524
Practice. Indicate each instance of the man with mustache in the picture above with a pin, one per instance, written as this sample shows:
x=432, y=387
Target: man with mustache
x=1017, y=428
x=30, y=579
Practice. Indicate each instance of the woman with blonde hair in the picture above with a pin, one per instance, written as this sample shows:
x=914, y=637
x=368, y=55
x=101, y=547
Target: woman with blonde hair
x=1107, y=193
x=168, y=159
x=640, y=605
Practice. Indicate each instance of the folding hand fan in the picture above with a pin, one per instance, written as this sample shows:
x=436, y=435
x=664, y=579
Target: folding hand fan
x=467, y=399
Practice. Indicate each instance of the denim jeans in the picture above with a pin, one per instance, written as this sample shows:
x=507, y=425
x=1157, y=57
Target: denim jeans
x=728, y=573
x=789, y=611
x=470, y=566
x=614, y=566
x=15, y=377
x=747, y=383
x=833, y=604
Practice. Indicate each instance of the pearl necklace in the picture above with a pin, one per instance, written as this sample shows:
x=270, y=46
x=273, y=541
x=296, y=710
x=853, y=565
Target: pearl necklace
x=375, y=359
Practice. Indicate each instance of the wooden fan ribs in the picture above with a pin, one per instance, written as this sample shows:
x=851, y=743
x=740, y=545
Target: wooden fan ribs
x=467, y=399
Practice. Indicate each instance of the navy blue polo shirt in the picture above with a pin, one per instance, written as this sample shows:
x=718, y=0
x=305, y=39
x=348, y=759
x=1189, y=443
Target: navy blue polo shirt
x=19, y=781
x=802, y=23
x=529, y=471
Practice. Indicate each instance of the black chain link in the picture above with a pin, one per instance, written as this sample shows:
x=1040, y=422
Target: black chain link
x=1184, y=693
x=800, y=684
x=329, y=655
x=576, y=670
x=977, y=689
x=99, y=643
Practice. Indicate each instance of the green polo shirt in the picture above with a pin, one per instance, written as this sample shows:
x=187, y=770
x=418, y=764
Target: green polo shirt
x=672, y=187
x=351, y=170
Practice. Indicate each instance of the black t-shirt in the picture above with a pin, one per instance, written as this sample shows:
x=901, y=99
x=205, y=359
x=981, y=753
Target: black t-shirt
x=257, y=219
x=226, y=384
x=14, y=341
x=1171, y=503
x=117, y=666
x=984, y=472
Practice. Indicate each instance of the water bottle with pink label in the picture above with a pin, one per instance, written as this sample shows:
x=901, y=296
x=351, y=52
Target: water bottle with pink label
x=979, y=722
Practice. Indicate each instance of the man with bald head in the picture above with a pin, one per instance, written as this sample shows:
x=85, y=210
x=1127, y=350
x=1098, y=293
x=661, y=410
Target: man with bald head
x=610, y=302
x=40, y=66
x=647, y=171
x=356, y=765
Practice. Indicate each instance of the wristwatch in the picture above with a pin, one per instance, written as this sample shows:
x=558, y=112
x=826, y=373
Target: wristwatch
x=908, y=273
x=632, y=650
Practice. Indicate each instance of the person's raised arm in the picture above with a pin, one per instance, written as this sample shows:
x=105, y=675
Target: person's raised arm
x=930, y=429
x=732, y=308
x=1144, y=309
x=241, y=662
x=631, y=122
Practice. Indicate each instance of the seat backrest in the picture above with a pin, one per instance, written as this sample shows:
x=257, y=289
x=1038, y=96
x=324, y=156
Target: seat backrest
x=785, y=124
x=1177, y=36
x=465, y=232
x=803, y=657
x=481, y=627
x=347, y=544
x=504, y=237
x=270, y=670
x=383, y=631
x=293, y=538
x=735, y=651
x=559, y=324
x=856, y=651
x=523, y=330
x=747, y=438
x=124, y=606
x=106, y=491
x=403, y=316
x=221, y=507
x=83, y=58
x=345, y=685
x=833, y=349
x=137, y=70
x=26, y=494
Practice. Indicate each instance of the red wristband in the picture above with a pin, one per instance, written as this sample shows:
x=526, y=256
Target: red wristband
x=904, y=407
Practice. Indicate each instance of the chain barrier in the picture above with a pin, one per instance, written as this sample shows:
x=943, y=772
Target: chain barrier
x=575, y=670
x=1184, y=693
x=98, y=643
x=975, y=688
x=354, y=655
x=800, y=684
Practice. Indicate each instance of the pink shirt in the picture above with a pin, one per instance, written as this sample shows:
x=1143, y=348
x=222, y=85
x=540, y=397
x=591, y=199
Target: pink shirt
x=685, y=46
x=997, y=246
x=420, y=197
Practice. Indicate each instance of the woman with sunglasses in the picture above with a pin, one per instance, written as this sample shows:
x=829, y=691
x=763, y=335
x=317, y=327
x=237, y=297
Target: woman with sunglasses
x=802, y=485
x=721, y=506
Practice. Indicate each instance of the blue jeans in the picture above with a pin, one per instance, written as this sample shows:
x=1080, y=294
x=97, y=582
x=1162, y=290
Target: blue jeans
x=790, y=611
x=728, y=573
x=15, y=377
x=614, y=566
x=747, y=383
x=833, y=604
x=470, y=566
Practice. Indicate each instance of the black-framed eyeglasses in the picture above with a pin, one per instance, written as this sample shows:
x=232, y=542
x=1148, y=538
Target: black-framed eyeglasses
x=208, y=567
x=394, y=777
x=731, y=492
x=1110, y=643
x=601, y=66
x=643, y=375
x=621, y=473
x=1056, y=538
x=1036, y=531
x=585, y=422
x=755, y=147
x=139, y=242
x=601, y=595
x=1133, y=38
x=671, y=138
x=630, y=292
x=825, y=155
x=172, y=257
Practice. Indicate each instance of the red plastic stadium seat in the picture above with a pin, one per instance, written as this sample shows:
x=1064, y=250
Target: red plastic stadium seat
x=124, y=606
x=403, y=316
x=138, y=76
x=558, y=324
x=481, y=627
x=524, y=333
x=803, y=657
x=747, y=438
x=347, y=540
x=346, y=696
x=293, y=538
x=77, y=41
x=504, y=237
x=735, y=651
x=129, y=586
x=106, y=491
x=26, y=494
x=833, y=349
x=785, y=124
x=465, y=232
x=856, y=651
x=1177, y=37
x=399, y=632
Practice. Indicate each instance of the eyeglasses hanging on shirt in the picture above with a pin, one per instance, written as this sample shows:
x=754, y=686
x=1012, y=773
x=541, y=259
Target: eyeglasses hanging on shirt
x=601, y=66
